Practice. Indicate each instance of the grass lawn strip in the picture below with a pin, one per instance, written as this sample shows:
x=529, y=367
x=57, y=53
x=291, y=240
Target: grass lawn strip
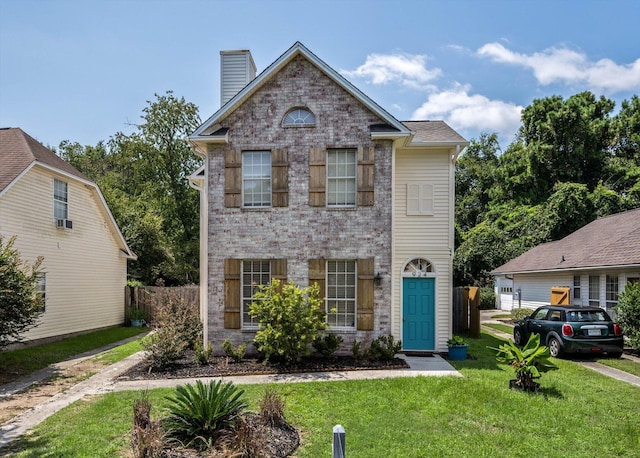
x=15, y=364
x=477, y=415
x=626, y=365
x=500, y=327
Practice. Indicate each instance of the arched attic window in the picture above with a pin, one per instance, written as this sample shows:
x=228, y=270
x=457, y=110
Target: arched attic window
x=299, y=117
x=418, y=267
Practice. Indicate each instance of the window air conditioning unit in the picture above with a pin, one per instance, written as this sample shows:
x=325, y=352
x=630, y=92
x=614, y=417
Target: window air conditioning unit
x=64, y=224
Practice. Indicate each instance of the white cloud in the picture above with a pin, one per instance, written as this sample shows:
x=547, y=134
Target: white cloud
x=471, y=112
x=569, y=67
x=408, y=70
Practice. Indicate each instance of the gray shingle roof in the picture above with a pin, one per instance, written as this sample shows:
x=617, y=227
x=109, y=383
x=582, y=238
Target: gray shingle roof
x=434, y=131
x=18, y=150
x=610, y=241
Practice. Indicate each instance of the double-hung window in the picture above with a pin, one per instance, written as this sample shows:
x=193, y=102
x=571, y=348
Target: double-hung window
x=341, y=293
x=342, y=167
x=576, y=287
x=254, y=274
x=60, y=200
x=256, y=179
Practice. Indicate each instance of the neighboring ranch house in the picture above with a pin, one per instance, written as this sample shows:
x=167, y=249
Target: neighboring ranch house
x=594, y=263
x=308, y=180
x=57, y=213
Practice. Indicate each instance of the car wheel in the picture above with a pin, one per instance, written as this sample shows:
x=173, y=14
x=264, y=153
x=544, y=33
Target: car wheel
x=554, y=347
x=518, y=338
x=617, y=354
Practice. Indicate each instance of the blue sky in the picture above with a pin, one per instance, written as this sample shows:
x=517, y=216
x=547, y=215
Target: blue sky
x=82, y=70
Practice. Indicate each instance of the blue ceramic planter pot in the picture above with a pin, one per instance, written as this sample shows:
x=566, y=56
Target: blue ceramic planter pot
x=458, y=352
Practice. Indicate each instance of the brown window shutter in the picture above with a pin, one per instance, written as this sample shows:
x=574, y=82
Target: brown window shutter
x=365, y=294
x=366, y=163
x=232, y=178
x=279, y=271
x=279, y=178
x=232, y=293
x=318, y=274
x=317, y=177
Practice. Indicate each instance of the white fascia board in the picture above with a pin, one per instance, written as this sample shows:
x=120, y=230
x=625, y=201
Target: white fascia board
x=17, y=178
x=90, y=184
x=297, y=48
x=568, y=269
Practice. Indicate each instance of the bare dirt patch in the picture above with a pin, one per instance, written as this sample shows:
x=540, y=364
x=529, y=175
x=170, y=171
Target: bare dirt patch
x=61, y=380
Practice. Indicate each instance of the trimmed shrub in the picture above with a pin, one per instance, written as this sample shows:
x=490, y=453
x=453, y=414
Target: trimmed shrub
x=201, y=354
x=290, y=319
x=327, y=345
x=487, y=298
x=235, y=353
x=383, y=348
x=163, y=347
x=358, y=352
x=628, y=313
x=199, y=413
x=520, y=313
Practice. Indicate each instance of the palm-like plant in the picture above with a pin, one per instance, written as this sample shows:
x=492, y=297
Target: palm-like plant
x=528, y=362
x=198, y=414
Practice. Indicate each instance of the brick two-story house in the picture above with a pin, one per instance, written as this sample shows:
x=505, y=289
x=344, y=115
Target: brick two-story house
x=307, y=179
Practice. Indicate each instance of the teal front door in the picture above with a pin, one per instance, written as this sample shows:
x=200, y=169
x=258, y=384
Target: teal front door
x=418, y=314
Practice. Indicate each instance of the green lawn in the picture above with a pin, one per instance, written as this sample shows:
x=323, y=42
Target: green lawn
x=580, y=413
x=500, y=327
x=623, y=364
x=18, y=363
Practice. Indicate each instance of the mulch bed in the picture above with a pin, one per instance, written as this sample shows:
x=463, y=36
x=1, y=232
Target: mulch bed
x=222, y=366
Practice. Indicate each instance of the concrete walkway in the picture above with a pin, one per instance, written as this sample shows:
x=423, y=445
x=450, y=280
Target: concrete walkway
x=103, y=382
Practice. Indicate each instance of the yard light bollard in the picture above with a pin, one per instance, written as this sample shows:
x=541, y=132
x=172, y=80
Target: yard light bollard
x=338, y=441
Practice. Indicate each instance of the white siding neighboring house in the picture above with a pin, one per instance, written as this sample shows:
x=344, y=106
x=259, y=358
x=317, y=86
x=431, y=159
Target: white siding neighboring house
x=57, y=213
x=307, y=179
x=595, y=263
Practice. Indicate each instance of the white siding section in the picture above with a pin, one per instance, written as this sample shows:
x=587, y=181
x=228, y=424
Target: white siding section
x=86, y=270
x=536, y=288
x=426, y=236
x=237, y=69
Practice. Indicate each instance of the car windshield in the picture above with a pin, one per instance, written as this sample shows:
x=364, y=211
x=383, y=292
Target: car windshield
x=587, y=315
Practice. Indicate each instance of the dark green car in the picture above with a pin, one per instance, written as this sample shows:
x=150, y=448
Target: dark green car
x=571, y=330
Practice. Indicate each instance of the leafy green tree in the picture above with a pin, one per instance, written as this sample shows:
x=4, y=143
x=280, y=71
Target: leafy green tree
x=20, y=306
x=290, y=320
x=628, y=313
x=567, y=141
x=144, y=178
x=475, y=174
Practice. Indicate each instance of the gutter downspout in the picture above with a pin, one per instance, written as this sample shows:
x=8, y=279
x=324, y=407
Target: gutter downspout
x=204, y=245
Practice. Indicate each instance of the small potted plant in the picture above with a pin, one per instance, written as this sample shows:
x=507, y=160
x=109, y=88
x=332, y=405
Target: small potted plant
x=457, y=348
x=528, y=362
x=137, y=317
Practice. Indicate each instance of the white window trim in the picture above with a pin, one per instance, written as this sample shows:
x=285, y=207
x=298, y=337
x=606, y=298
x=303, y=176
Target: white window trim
x=611, y=303
x=269, y=179
x=293, y=116
x=56, y=200
x=246, y=301
x=353, y=151
x=41, y=288
x=354, y=300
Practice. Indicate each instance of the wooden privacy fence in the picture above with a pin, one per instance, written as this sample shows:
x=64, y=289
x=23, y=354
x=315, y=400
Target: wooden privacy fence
x=466, y=310
x=148, y=298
